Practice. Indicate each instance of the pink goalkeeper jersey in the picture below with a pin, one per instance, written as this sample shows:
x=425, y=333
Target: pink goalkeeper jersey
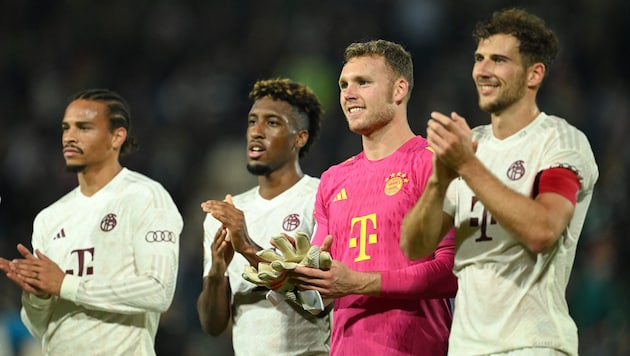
x=362, y=204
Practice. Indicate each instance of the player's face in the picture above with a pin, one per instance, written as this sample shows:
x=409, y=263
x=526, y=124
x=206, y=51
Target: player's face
x=272, y=136
x=87, y=139
x=498, y=73
x=367, y=94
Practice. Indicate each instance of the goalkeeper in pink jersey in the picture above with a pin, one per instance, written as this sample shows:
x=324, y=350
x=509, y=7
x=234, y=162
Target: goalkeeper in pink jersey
x=384, y=303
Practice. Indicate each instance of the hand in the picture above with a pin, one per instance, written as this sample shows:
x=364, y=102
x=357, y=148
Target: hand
x=222, y=253
x=295, y=251
x=336, y=282
x=451, y=138
x=233, y=220
x=34, y=274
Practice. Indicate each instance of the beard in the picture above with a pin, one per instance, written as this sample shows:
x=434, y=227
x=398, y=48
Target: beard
x=259, y=169
x=373, y=123
x=513, y=94
x=75, y=168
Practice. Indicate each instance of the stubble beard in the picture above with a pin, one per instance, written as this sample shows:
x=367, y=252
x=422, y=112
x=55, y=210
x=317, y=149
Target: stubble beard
x=373, y=123
x=506, y=99
x=259, y=169
x=75, y=168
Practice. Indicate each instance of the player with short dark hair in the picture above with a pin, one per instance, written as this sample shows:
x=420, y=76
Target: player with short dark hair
x=517, y=191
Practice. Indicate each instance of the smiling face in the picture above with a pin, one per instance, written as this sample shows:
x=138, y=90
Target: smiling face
x=273, y=138
x=367, y=94
x=87, y=138
x=498, y=72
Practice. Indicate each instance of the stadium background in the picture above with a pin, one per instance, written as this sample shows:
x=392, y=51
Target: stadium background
x=186, y=68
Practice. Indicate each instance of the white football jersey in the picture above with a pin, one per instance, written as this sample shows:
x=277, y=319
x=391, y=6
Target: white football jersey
x=509, y=297
x=119, y=249
x=260, y=328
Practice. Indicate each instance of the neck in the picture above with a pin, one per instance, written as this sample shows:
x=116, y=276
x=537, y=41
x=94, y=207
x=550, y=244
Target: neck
x=513, y=119
x=92, y=179
x=386, y=140
x=278, y=181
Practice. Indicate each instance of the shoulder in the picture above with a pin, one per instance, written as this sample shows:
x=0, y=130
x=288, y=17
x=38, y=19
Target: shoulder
x=60, y=204
x=309, y=184
x=140, y=186
x=245, y=196
x=417, y=146
x=564, y=131
x=345, y=165
x=569, y=147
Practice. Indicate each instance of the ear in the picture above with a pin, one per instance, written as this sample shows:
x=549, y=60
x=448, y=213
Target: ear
x=119, y=136
x=401, y=88
x=535, y=75
x=301, y=137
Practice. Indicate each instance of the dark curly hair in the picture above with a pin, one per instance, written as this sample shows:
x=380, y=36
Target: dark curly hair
x=118, y=112
x=396, y=57
x=306, y=104
x=537, y=42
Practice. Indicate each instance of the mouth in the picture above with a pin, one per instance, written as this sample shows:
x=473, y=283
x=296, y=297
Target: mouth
x=71, y=151
x=486, y=88
x=354, y=110
x=255, y=150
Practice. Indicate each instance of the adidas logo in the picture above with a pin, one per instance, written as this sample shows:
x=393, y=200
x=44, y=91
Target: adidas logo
x=341, y=195
x=61, y=234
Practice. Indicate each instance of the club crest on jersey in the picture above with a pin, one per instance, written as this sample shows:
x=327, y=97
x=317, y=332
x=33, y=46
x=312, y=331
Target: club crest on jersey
x=516, y=170
x=395, y=182
x=291, y=222
x=109, y=222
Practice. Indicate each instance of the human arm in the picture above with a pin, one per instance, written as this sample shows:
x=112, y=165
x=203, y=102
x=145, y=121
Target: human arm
x=36, y=309
x=419, y=232
x=338, y=281
x=147, y=284
x=213, y=304
x=537, y=222
x=234, y=220
x=431, y=278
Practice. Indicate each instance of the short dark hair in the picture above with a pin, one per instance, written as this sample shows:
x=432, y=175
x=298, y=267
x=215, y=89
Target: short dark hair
x=302, y=98
x=118, y=112
x=396, y=56
x=537, y=42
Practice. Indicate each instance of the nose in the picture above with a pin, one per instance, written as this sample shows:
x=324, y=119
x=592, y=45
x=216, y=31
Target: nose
x=256, y=130
x=481, y=68
x=68, y=135
x=348, y=93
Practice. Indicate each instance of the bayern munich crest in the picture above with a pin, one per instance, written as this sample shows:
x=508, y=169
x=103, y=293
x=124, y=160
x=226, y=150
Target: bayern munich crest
x=291, y=222
x=516, y=170
x=109, y=222
x=395, y=182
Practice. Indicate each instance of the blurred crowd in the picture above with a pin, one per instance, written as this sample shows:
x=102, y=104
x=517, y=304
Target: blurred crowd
x=186, y=67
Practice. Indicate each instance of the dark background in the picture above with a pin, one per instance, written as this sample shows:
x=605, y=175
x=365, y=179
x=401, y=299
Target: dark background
x=186, y=68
